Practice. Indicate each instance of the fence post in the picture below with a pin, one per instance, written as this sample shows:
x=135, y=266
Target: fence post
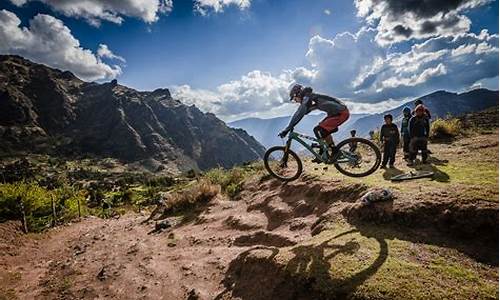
x=54, y=217
x=79, y=212
x=23, y=215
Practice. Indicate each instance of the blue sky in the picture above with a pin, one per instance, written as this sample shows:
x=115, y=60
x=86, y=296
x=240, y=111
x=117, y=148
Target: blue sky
x=237, y=60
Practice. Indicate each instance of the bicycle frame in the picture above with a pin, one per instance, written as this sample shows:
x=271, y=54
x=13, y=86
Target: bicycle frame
x=299, y=138
x=325, y=157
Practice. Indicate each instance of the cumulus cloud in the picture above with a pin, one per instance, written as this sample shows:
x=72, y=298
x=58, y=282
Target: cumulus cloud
x=357, y=67
x=104, y=52
x=256, y=92
x=205, y=6
x=398, y=21
x=95, y=11
x=49, y=41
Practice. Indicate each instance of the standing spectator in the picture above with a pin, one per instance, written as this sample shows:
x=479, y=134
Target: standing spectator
x=353, y=145
x=389, y=136
x=427, y=112
x=405, y=132
x=419, y=133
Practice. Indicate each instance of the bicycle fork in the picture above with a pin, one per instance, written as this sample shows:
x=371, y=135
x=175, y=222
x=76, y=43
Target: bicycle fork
x=284, y=160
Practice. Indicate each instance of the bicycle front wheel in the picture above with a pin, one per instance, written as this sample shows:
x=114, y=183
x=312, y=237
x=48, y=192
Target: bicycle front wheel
x=357, y=157
x=281, y=164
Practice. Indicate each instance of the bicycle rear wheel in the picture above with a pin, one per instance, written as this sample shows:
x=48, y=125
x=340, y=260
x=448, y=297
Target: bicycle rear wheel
x=281, y=164
x=357, y=157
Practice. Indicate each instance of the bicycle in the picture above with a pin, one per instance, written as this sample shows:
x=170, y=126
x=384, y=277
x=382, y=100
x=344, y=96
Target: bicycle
x=359, y=161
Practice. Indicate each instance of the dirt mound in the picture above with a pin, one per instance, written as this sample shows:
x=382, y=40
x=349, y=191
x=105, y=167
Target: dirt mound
x=11, y=237
x=463, y=219
x=299, y=204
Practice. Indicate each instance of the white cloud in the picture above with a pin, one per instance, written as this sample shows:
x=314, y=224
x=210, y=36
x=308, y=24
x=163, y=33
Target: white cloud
x=217, y=6
x=49, y=41
x=355, y=66
x=327, y=12
x=95, y=11
x=255, y=93
x=398, y=21
x=104, y=52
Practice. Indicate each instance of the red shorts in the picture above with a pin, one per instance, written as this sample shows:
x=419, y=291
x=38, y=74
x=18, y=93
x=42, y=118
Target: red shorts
x=330, y=124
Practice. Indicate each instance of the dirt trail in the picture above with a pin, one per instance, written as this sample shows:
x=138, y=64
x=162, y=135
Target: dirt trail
x=125, y=259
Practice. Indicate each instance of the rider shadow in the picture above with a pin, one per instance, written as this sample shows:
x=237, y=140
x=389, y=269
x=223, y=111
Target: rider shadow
x=311, y=261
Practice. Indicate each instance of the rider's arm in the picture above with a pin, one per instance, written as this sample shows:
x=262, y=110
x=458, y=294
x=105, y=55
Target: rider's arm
x=299, y=114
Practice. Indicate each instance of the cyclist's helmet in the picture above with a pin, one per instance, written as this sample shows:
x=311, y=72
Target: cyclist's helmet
x=296, y=91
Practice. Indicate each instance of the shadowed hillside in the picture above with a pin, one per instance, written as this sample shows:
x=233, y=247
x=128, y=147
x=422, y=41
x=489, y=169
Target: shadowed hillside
x=45, y=110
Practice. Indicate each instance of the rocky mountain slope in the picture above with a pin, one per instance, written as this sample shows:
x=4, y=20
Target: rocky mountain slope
x=47, y=110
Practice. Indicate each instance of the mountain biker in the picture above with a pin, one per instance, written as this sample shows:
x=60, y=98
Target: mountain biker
x=336, y=110
x=405, y=132
x=419, y=132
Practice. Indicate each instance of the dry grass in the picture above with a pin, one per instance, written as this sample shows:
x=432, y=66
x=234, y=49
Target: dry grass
x=202, y=192
x=445, y=128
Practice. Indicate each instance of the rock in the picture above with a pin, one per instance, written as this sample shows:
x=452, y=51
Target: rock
x=162, y=225
x=102, y=275
x=193, y=295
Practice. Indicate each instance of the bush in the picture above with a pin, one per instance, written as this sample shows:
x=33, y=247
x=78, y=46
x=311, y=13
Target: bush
x=37, y=204
x=202, y=192
x=231, y=181
x=445, y=128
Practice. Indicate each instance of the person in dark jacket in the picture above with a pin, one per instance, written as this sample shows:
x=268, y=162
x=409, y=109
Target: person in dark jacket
x=419, y=133
x=389, y=136
x=336, y=113
x=405, y=132
x=353, y=145
x=427, y=112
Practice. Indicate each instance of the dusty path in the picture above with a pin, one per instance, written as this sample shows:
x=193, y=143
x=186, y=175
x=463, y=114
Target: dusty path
x=123, y=259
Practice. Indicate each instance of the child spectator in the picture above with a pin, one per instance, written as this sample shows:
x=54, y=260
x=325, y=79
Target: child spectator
x=419, y=132
x=389, y=136
x=405, y=132
x=427, y=112
x=353, y=145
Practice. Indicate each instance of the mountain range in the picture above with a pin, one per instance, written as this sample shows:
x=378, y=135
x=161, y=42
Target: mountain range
x=440, y=103
x=45, y=110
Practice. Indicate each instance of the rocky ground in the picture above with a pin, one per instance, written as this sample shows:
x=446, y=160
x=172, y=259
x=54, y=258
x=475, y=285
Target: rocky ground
x=309, y=239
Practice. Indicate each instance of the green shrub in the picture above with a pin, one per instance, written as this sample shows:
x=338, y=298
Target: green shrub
x=375, y=136
x=445, y=128
x=231, y=181
x=37, y=204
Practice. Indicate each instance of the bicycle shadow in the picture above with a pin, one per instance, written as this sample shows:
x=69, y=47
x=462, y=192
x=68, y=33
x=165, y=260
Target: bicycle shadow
x=312, y=262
